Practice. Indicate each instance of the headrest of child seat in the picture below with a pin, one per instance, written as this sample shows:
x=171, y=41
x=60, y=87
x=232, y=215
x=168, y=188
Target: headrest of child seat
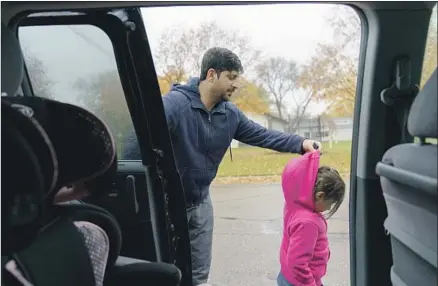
x=83, y=144
x=422, y=121
x=12, y=62
x=27, y=173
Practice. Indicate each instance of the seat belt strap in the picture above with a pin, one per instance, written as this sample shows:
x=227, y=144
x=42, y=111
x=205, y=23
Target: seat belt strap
x=401, y=94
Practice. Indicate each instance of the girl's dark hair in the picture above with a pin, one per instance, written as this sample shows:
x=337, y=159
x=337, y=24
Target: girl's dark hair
x=332, y=185
x=220, y=59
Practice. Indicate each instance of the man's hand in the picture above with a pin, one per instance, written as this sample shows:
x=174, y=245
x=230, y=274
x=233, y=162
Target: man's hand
x=309, y=146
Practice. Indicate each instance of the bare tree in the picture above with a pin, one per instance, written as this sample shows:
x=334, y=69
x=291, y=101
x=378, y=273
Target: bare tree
x=346, y=26
x=298, y=110
x=279, y=77
x=181, y=51
x=103, y=95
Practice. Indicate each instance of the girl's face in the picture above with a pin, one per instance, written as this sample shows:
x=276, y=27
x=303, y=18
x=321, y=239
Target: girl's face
x=322, y=204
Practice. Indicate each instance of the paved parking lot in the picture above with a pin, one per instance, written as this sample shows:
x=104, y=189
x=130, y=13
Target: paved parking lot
x=248, y=225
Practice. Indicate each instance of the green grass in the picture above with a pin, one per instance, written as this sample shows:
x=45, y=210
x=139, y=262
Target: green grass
x=254, y=161
x=428, y=140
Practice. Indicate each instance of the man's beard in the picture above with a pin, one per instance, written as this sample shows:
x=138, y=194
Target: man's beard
x=226, y=96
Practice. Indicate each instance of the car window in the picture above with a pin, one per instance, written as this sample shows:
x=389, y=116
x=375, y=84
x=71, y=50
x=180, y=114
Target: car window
x=300, y=65
x=430, y=53
x=430, y=56
x=76, y=64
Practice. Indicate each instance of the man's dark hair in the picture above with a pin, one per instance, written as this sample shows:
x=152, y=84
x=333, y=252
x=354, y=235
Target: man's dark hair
x=220, y=59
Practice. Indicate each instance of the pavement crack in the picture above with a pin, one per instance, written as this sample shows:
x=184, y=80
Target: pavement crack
x=248, y=219
x=243, y=199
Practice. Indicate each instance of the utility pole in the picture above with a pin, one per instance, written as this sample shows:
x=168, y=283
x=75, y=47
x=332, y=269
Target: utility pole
x=319, y=128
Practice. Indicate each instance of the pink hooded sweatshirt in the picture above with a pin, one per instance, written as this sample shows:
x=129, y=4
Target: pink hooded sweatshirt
x=304, y=249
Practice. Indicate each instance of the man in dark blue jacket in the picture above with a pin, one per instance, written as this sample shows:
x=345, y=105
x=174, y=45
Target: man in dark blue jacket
x=202, y=122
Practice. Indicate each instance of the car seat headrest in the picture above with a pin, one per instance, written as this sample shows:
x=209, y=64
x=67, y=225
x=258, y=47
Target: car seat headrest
x=26, y=174
x=12, y=62
x=422, y=121
x=83, y=144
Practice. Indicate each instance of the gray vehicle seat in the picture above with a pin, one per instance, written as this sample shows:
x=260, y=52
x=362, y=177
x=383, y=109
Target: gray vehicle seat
x=408, y=175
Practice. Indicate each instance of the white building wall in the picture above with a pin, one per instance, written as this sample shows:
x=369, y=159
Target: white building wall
x=343, y=134
x=263, y=121
x=258, y=118
x=277, y=125
x=234, y=144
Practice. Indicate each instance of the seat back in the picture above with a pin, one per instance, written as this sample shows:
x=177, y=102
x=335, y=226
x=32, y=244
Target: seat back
x=120, y=270
x=58, y=257
x=408, y=175
x=79, y=212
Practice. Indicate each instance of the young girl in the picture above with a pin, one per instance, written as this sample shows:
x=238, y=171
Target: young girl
x=309, y=191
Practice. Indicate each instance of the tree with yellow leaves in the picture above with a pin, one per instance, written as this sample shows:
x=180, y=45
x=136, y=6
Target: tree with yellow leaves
x=251, y=97
x=179, y=57
x=331, y=76
x=171, y=77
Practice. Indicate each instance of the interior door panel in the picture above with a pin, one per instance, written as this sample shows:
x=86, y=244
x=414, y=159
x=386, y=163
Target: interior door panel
x=128, y=201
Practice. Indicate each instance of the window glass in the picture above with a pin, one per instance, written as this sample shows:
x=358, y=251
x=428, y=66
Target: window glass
x=300, y=66
x=76, y=64
x=430, y=57
x=430, y=54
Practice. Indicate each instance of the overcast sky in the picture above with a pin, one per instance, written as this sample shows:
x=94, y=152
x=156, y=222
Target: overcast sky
x=287, y=30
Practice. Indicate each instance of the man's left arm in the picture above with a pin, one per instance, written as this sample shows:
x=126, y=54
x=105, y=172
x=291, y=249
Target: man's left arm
x=254, y=134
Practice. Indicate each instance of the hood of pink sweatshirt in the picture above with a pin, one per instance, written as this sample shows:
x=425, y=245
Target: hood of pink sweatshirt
x=298, y=180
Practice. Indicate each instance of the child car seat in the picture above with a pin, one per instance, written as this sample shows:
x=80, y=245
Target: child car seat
x=30, y=178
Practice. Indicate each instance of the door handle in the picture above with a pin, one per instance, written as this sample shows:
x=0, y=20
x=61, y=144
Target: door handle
x=131, y=193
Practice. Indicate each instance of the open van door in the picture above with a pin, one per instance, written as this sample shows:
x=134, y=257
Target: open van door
x=147, y=197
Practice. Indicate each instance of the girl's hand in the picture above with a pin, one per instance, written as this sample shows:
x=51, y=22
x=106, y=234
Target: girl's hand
x=76, y=192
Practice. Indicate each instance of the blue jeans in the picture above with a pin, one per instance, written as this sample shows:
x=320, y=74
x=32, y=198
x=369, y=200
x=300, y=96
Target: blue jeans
x=281, y=281
x=201, y=222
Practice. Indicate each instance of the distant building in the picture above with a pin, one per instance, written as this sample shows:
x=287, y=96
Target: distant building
x=267, y=120
x=324, y=129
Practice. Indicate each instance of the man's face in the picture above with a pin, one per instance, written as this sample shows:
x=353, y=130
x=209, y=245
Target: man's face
x=225, y=84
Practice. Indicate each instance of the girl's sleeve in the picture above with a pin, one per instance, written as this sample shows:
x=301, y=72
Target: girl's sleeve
x=302, y=241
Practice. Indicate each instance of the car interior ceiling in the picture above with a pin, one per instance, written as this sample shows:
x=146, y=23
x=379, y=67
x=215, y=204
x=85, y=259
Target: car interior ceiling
x=393, y=38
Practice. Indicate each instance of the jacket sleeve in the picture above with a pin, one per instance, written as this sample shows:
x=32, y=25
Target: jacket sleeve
x=172, y=110
x=254, y=134
x=302, y=243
